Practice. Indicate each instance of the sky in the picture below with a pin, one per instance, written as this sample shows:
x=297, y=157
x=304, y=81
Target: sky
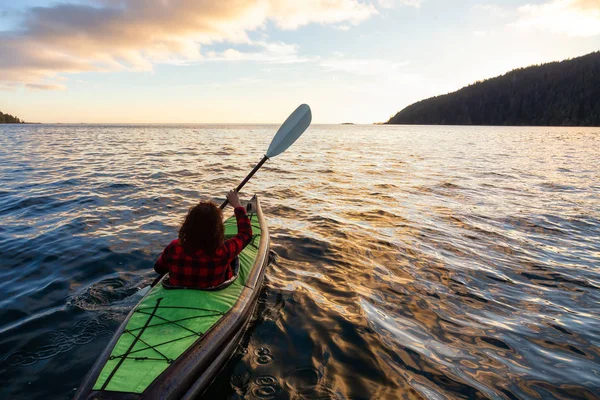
x=255, y=61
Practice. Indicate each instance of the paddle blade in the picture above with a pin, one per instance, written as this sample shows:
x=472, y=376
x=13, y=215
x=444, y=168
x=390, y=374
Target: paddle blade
x=290, y=131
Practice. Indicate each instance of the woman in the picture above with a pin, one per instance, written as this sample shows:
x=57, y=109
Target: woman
x=200, y=258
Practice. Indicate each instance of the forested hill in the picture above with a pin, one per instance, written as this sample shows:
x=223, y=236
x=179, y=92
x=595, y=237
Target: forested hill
x=559, y=93
x=9, y=119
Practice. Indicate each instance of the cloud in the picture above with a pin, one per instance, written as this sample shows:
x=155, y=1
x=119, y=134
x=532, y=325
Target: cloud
x=576, y=18
x=290, y=14
x=109, y=35
x=267, y=52
x=364, y=67
x=491, y=9
x=39, y=86
x=392, y=3
x=283, y=53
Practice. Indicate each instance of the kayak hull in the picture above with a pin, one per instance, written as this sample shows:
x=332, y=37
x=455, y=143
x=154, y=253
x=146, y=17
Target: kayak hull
x=190, y=373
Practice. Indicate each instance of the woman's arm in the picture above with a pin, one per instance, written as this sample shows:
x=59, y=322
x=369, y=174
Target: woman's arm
x=235, y=245
x=161, y=265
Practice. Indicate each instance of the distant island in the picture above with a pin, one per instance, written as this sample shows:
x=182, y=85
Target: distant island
x=9, y=119
x=563, y=93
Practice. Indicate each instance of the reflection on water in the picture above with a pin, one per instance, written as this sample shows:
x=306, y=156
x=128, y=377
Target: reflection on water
x=408, y=262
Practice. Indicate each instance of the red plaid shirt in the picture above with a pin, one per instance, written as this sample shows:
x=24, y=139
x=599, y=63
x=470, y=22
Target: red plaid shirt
x=200, y=270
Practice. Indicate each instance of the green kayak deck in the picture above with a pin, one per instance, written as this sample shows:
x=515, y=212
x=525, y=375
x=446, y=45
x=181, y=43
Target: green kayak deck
x=171, y=320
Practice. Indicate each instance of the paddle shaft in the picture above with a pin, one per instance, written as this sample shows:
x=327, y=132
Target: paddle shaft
x=156, y=280
x=250, y=175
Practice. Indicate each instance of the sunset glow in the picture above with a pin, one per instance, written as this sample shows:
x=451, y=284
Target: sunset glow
x=185, y=61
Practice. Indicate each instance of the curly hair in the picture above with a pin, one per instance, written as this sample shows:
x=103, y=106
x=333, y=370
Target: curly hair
x=202, y=228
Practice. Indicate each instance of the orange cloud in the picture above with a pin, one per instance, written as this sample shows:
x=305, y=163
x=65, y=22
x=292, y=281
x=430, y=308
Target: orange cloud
x=108, y=35
x=571, y=17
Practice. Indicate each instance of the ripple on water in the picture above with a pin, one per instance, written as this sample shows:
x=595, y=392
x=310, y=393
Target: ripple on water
x=437, y=262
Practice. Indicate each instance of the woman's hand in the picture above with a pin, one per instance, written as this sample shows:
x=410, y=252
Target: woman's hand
x=233, y=199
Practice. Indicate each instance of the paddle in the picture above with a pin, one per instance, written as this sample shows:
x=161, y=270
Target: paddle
x=288, y=133
x=293, y=127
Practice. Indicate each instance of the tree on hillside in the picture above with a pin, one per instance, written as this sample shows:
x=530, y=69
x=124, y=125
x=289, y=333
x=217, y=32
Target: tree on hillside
x=559, y=93
x=9, y=119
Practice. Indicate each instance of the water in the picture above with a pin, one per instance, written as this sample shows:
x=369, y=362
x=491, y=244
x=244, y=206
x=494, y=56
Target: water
x=407, y=262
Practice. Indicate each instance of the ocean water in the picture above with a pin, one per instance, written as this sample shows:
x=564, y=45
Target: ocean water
x=406, y=262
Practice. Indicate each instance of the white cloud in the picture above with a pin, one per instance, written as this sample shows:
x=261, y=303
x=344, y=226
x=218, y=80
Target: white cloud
x=282, y=53
x=491, y=9
x=392, y=3
x=291, y=14
x=41, y=86
x=108, y=35
x=364, y=67
x=483, y=33
x=572, y=17
x=267, y=52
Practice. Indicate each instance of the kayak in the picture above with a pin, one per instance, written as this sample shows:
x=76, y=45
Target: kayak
x=176, y=340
